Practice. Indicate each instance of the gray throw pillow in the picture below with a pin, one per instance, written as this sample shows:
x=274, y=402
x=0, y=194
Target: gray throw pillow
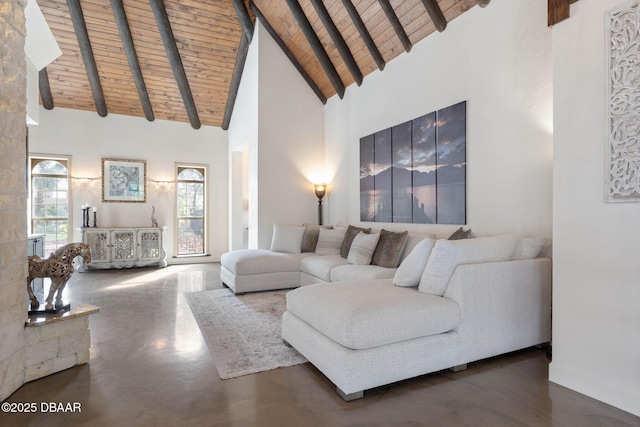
x=461, y=233
x=310, y=236
x=390, y=248
x=348, y=238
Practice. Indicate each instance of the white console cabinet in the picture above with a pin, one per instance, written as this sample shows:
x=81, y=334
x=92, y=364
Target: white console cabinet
x=124, y=247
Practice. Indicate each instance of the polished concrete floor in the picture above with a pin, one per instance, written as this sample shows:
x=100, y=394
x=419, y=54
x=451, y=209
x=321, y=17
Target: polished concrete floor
x=151, y=367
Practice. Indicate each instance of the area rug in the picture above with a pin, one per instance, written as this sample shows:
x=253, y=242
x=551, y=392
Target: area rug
x=244, y=332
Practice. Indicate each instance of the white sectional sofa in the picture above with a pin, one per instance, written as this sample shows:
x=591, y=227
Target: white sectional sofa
x=251, y=270
x=449, y=303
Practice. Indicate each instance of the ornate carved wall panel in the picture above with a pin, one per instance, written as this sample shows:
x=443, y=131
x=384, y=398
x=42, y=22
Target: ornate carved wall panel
x=623, y=81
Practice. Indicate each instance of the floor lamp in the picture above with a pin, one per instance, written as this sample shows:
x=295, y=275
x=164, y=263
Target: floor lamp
x=320, y=192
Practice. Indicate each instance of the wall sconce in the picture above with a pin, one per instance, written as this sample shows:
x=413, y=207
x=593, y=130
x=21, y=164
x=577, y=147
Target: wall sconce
x=321, y=189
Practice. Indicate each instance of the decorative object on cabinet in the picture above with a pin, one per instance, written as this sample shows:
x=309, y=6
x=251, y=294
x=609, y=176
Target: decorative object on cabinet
x=124, y=180
x=154, y=221
x=125, y=247
x=623, y=145
x=59, y=268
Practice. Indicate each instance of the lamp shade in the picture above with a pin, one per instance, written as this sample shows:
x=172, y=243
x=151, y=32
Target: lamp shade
x=321, y=189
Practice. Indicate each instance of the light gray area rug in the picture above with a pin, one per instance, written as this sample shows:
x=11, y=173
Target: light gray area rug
x=244, y=332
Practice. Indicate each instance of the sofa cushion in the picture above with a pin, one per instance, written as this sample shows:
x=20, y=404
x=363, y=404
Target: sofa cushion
x=368, y=313
x=320, y=266
x=390, y=248
x=355, y=272
x=256, y=261
x=415, y=238
x=349, y=235
x=310, y=236
x=330, y=241
x=528, y=248
x=286, y=238
x=410, y=270
x=362, y=248
x=448, y=254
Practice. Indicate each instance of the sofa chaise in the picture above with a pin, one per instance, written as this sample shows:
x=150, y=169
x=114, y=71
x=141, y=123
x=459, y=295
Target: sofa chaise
x=362, y=334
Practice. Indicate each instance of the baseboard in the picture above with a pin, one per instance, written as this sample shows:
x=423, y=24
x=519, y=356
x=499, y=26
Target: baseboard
x=594, y=387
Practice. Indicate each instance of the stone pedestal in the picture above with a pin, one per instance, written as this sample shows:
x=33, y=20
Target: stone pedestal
x=55, y=342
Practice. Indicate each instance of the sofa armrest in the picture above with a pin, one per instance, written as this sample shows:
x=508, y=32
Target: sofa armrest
x=505, y=306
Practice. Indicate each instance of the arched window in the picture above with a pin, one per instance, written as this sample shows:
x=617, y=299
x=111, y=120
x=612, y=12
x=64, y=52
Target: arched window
x=50, y=201
x=191, y=210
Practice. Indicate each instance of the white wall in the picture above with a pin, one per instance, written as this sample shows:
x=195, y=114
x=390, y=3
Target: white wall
x=88, y=138
x=243, y=138
x=498, y=59
x=596, y=302
x=286, y=155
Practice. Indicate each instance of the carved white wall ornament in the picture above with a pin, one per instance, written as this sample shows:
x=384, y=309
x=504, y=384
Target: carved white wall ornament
x=623, y=117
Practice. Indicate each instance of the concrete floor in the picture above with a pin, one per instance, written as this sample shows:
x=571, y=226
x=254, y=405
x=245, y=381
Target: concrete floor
x=150, y=366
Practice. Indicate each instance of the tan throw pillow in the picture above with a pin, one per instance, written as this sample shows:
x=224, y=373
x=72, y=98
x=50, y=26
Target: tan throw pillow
x=390, y=248
x=461, y=233
x=348, y=238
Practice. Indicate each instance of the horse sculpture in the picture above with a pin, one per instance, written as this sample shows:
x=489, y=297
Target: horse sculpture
x=59, y=268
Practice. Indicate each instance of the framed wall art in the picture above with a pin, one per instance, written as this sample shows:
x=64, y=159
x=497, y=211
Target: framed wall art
x=124, y=180
x=415, y=172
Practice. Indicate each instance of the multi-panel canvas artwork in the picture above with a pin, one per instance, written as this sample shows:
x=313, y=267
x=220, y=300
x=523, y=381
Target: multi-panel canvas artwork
x=415, y=172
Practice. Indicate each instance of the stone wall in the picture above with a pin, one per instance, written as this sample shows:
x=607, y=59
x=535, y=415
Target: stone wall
x=13, y=196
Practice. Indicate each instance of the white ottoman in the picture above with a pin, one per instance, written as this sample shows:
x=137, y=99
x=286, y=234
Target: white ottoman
x=250, y=270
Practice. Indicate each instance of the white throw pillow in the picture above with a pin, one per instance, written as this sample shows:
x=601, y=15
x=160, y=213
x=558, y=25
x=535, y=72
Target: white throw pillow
x=287, y=238
x=448, y=254
x=528, y=248
x=410, y=270
x=330, y=241
x=362, y=248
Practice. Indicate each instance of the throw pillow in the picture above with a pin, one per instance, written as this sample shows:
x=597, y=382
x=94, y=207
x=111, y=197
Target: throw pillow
x=362, y=248
x=310, y=236
x=330, y=241
x=461, y=233
x=348, y=238
x=286, y=238
x=448, y=254
x=390, y=248
x=528, y=248
x=410, y=270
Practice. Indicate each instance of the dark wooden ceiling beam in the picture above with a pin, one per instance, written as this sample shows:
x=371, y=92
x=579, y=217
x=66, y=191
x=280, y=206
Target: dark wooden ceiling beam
x=436, y=15
x=338, y=40
x=312, y=84
x=166, y=34
x=45, y=89
x=483, y=3
x=132, y=57
x=558, y=11
x=364, y=33
x=80, y=28
x=245, y=19
x=316, y=46
x=396, y=24
x=241, y=59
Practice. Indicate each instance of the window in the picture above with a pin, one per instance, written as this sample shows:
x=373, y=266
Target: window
x=50, y=201
x=190, y=195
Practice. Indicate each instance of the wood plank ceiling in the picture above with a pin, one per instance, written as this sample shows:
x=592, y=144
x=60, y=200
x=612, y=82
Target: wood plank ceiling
x=183, y=53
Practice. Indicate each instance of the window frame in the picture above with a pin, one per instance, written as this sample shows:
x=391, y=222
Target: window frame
x=203, y=169
x=66, y=161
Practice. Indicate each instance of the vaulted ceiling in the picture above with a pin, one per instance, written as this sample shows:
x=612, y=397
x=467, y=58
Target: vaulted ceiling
x=181, y=60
